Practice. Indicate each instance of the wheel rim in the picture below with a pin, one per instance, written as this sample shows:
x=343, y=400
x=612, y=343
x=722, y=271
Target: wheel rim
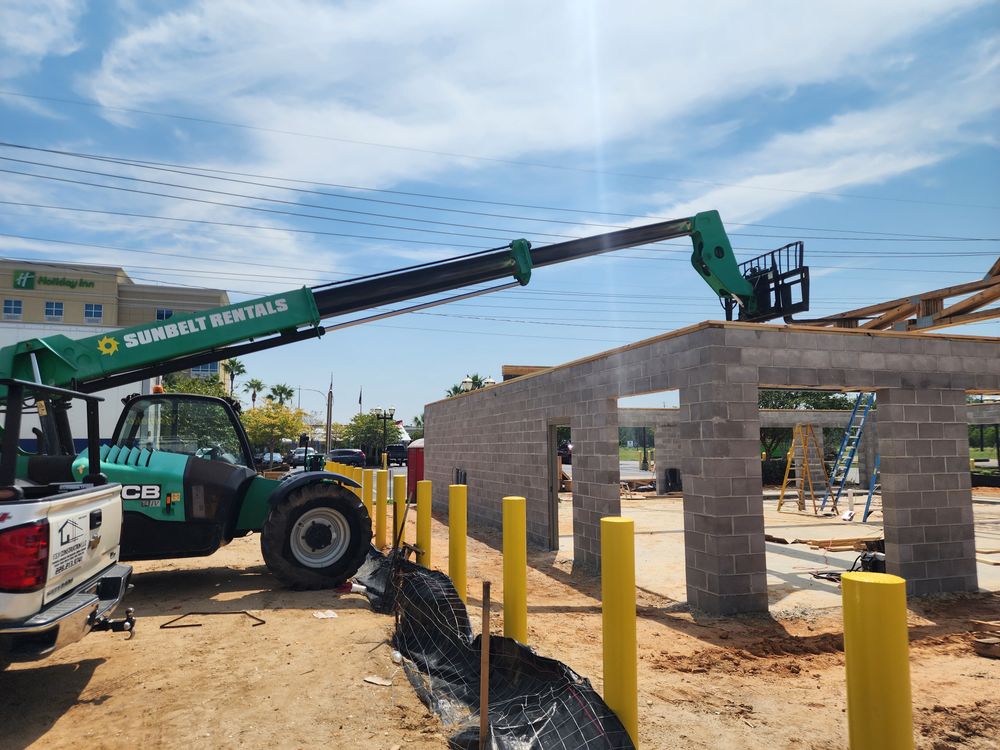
x=320, y=537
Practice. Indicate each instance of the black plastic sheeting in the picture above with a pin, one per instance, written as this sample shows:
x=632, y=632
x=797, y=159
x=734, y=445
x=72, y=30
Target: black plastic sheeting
x=535, y=702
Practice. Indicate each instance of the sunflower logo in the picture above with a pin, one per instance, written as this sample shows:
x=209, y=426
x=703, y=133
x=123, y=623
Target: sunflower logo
x=107, y=345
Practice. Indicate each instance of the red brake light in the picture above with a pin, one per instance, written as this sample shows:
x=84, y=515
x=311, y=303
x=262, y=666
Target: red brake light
x=24, y=557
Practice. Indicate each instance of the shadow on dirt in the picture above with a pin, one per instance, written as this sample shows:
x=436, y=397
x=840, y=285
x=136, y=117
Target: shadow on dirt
x=226, y=589
x=33, y=698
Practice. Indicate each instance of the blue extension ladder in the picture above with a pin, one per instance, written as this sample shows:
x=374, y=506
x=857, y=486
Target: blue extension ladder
x=872, y=486
x=848, y=448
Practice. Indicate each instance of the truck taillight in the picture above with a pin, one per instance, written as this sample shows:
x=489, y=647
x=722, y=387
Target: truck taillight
x=24, y=557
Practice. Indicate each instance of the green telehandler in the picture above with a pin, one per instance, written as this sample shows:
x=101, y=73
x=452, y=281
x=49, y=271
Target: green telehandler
x=189, y=484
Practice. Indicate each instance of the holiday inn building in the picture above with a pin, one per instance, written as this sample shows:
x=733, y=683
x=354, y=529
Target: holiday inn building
x=78, y=300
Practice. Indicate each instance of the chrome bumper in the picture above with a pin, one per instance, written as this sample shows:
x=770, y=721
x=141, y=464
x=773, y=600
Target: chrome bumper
x=67, y=620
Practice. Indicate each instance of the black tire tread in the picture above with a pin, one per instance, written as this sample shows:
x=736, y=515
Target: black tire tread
x=274, y=537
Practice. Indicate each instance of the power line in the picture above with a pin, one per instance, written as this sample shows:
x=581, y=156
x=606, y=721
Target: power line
x=489, y=159
x=186, y=170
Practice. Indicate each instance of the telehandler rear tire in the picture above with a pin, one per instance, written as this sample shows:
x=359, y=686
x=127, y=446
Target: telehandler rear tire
x=317, y=538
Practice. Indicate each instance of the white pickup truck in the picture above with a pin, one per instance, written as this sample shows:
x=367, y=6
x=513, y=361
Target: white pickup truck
x=60, y=576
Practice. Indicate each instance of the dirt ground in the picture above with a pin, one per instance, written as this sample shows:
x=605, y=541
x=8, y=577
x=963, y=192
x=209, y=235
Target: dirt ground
x=298, y=681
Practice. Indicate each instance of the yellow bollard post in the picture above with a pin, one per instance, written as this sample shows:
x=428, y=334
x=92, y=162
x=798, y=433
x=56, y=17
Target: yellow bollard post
x=515, y=569
x=424, y=522
x=357, y=474
x=367, y=485
x=876, y=654
x=381, y=500
x=457, y=529
x=398, y=508
x=621, y=689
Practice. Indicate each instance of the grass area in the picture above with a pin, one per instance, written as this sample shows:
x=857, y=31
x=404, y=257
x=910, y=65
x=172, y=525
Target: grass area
x=985, y=453
x=633, y=454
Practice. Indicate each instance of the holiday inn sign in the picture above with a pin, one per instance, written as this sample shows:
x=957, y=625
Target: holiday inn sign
x=30, y=280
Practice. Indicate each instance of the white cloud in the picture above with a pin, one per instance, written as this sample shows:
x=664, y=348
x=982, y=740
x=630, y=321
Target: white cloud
x=861, y=147
x=504, y=80
x=31, y=30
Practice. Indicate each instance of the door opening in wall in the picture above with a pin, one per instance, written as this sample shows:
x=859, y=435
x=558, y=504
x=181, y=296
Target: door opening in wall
x=560, y=454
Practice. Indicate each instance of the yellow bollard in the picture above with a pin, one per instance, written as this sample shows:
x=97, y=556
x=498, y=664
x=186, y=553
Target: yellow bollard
x=381, y=500
x=367, y=484
x=357, y=474
x=457, y=529
x=515, y=569
x=424, y=522
x=621, y=690
x=876, y=653
x=398, y=508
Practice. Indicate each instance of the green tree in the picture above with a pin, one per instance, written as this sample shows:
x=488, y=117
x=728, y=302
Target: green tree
x=365, y=431
x=477, y=383
x=418, y=425
x=282, y=393
x=253, y=387
x=268, y=425
x=236, y=369
x=176, y=382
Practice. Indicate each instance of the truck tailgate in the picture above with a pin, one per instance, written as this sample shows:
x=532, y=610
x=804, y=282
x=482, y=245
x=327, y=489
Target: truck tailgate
x=84, y=535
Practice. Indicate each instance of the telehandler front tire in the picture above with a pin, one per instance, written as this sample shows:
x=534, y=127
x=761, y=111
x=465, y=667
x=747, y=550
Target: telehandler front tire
x=317, y=538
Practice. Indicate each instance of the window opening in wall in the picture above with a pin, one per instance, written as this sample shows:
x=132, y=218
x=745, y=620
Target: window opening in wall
x=12, y=309
x=93, y=313
x=54, y=312
x=163, y=313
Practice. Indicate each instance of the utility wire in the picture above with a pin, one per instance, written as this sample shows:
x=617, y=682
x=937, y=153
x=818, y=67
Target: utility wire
x=488, y=159
x=188, y=170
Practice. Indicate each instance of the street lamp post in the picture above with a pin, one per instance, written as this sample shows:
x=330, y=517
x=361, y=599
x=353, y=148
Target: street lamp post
x=384, y=416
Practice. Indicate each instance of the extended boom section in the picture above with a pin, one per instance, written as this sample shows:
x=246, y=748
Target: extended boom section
x=187, y=340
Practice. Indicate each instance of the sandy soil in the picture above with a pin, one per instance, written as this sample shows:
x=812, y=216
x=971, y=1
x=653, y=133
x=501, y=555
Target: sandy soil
x=297, y=681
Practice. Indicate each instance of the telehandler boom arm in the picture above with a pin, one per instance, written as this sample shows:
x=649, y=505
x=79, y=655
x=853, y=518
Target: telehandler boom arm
x=132, y=354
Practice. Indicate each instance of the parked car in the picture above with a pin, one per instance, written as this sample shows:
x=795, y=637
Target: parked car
x=349, y=456
x=268, y=459
x=298, y=456
x=396, y=454
x=565, y=451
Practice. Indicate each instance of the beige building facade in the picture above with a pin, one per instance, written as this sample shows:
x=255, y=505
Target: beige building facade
x=78, y=300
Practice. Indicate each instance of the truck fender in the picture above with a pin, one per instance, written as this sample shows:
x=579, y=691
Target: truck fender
x=308, y=477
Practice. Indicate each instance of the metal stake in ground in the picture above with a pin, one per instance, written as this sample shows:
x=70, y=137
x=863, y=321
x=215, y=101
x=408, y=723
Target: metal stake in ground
x=484, y=670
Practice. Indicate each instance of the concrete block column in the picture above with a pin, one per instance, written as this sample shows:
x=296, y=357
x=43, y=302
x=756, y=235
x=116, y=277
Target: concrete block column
x=595, y=478
x=723, y=509
x=926, y=495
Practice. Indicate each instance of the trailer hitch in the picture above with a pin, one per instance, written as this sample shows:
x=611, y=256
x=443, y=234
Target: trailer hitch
x=124, y=625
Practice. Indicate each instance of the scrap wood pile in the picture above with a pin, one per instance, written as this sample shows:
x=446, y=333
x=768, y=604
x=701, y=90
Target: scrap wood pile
x=986, y=638
x=842, y=544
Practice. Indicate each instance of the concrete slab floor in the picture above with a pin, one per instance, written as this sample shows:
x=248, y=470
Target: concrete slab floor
x=792, y=590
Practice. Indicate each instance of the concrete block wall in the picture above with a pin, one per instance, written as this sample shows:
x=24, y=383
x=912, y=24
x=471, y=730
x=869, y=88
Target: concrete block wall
x=926, y=495
x=499, y=435
x=723, y=505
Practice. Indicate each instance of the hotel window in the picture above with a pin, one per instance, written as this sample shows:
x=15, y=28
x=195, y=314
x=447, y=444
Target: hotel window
x=211, y=370
x=93, y=313
x=54, y=312
x=12, y=309
x=163, y=313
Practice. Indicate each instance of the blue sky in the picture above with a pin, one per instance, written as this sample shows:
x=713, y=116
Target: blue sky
x=867, y=130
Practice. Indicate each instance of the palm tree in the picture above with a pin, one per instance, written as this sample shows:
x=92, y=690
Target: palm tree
x=235, y=368
x=253, y=387
x=282, y=393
